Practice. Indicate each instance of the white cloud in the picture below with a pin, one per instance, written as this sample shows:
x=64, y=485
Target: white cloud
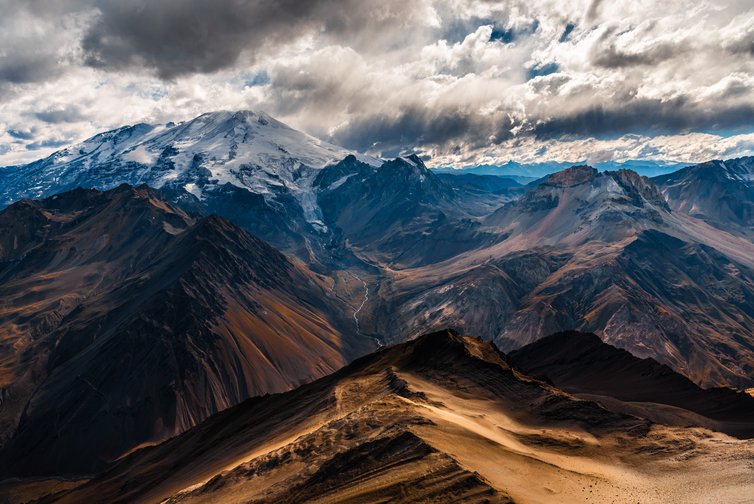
x=463, y=81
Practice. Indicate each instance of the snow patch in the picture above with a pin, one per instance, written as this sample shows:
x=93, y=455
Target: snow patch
x=193, y=189
x=340, y=181
x=140, y=155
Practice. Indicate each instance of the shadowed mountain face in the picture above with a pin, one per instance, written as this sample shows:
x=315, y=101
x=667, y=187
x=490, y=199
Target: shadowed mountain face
x=442, y=418
x=581, y=364
x=720, y=192
x=400, y=214
x=125, y=321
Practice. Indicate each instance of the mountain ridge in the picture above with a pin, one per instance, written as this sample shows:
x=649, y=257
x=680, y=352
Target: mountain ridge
x=127, y=312
x=444, y=406
x=201, y=164
x=584, y=365
x=719, y=192
x=402, y=242
x=578, y=251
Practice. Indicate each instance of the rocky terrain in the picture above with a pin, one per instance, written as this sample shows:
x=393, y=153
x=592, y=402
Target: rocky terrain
x=443, y=418
x=654, y=266
x=231, y=257
x=401, y=214
x=719, y=192
x=125, y=321
x=598, y=252
x=583, y=365
x=577, y=249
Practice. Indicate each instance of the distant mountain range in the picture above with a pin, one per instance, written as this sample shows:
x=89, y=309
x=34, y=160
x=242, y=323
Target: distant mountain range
x=229, y=257
x=578, y=249
x=600, y=252
x=526, y=172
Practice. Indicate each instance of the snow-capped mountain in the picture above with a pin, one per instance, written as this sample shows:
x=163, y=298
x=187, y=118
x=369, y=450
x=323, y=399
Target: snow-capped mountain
x=245, y=149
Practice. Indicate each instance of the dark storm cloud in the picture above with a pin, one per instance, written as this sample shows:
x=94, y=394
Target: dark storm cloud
x=33, y=39
x=61, y=115
x=418, y=127
x=23, y=67
x=646, y=116
x=175, y=37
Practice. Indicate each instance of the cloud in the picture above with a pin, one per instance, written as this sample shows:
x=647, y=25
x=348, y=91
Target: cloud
x=45, y=144
x=390, y=134
x=36, y=48
x=593, y=10
x=465, y=82
x=608, y=53
x=648, y=116
x=177, y=37
x=65, y=114
x=22, y=68
x=21, y=134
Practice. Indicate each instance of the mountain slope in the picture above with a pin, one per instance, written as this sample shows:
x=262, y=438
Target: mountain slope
x=442, y=418
x=579, y=204
x=482, y=194
x=122, y=314
x=580, y=363
x=576, y=250
x=212, y=163
x=400, y=214
x=720, y=192
x=597, y=252
x=246, y=149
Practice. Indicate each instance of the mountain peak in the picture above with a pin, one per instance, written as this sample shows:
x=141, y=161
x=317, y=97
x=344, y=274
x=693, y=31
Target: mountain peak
x=410, y=175
x=639, y=188
x=584, y=204
x=719, y=192
x=444, y=349
x=240, y=117
x=623, y=186
x=412, y=163
x=416, y=160
x=245, y=149
x=573, y=176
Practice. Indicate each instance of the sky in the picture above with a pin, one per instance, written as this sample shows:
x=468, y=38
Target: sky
x=461, y=83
